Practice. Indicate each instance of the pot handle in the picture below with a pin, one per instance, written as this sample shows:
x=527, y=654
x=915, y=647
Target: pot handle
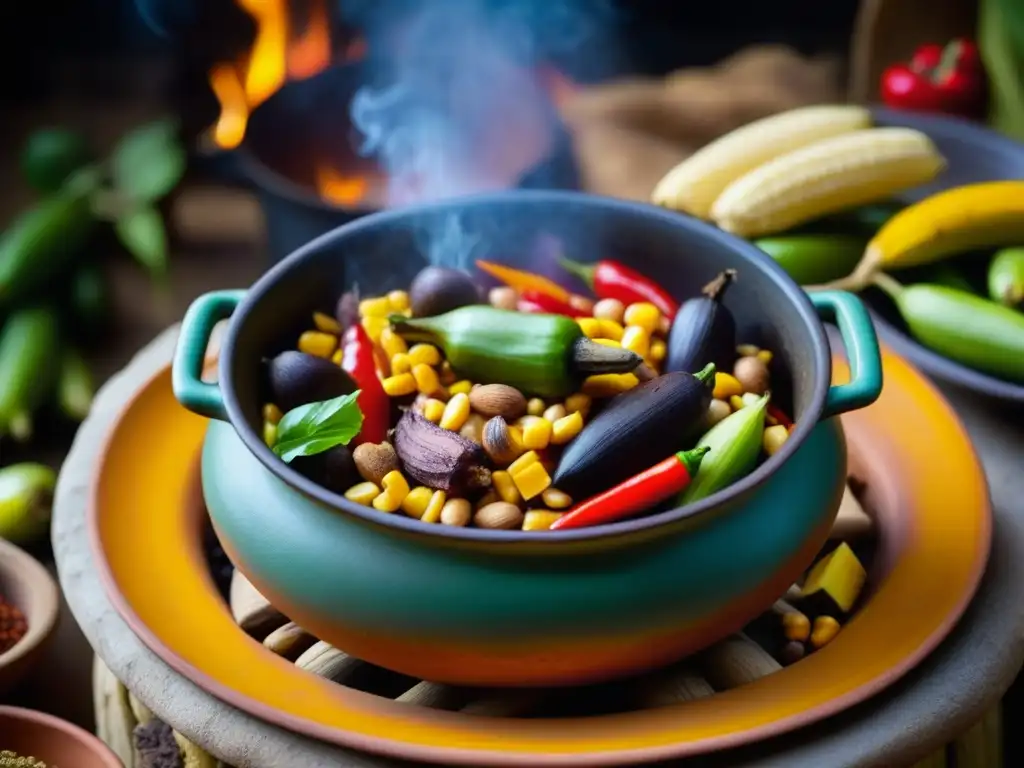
x=190, y=353
x=858, y=334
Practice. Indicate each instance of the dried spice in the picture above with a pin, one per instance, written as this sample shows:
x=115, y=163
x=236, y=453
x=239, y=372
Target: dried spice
x=13, y=627
x=9, y=759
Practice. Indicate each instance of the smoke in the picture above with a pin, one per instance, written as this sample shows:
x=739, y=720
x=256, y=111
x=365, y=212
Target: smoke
x=457, y=106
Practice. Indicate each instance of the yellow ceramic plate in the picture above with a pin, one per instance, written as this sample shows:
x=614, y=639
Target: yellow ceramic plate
x=924, y=480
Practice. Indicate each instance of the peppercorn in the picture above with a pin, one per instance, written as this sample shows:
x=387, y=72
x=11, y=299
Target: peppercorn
x=13, y=626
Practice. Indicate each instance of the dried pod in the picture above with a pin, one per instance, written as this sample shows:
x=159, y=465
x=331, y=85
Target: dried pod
x=439, y=458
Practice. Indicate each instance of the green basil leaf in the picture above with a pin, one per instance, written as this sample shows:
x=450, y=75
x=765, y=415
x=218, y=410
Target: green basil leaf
x=149, y=161
x=142, y=232
x=317, y=427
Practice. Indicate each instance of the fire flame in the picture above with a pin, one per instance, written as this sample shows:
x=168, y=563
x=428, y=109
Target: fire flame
x=280, y=53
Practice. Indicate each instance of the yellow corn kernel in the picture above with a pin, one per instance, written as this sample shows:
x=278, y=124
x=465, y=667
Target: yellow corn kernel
x=824, y=632
x=432, y=513
x=609, y=384
x=326, y=323
x=396, y=488
x=526, y=460
x=363, y=493
x=532, y=481
x=460, y=387
x=455, y=412
x=608, y=342
x=637, y=339
x=426, y=379
x=555, y=412
x=658, y=350
x=643, y=314
x=399, y=385
x=539, y=520
x=765, y=356
x=433, y=410
x=555, y=499
x=536, y=432
x=506, y=487
x=426, y=354
x=535, y=406
x=400, y=363
x=318, y=343
x=398, y=300
x=726, y=385
x=338, y=356
x=566, y=428
x=774, y=438
x=392, y=343
x=379, y=307
x=272, y=413
x=736, y=402
x=796, y=626
x=515, y=436
x=610, y=329
x=747, y=350
x=578, y=402
x=374, y=327
x=269, y=433
x=415, y=502
x=590, y=326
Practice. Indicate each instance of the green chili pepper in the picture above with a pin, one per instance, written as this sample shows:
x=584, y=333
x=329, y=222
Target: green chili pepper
x=29, y=349
x=966, y=328
x=75, y=387
x=1006, y=277
x=813, y=259
x=545, y=355
x=734, y=444
x=26, y=491
x=40, y=242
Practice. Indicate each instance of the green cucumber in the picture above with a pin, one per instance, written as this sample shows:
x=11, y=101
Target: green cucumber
x=813, y=259
x=29, y=351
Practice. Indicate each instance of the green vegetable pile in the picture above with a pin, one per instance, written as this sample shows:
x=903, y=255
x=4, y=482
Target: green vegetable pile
x=54, y=297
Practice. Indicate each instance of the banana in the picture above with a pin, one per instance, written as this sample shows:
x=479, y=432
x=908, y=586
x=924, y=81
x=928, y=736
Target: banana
x=966, y=218
x=824, y=177
x=694, y=184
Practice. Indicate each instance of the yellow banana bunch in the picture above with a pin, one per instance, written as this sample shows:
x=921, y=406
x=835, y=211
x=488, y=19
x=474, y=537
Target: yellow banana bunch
x=967, y=218
x=829, y=175
x=694, y=185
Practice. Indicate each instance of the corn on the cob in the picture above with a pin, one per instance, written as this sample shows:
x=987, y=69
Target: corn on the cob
x=827, y=176
x=694, y=184
x=967, y=218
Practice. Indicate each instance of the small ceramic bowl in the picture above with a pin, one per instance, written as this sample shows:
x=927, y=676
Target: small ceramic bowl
x=25, y=583
x=56, y=742
x=975, y=154
x=464, y=605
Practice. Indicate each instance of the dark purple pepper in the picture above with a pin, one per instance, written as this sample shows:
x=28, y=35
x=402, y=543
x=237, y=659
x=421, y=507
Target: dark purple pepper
x=704, y=330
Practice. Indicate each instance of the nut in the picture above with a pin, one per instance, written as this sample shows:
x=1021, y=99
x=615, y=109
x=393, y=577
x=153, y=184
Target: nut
x=498, y=400
x=456, y=512
x=503, y=297
x=473, y=429
x=555, y=412
x=498, y=516
x=498, y=442
x=373, y=461
x=752, y=374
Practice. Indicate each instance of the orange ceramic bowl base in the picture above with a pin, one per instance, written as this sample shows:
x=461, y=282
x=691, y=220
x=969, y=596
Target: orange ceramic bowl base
x=924, y=482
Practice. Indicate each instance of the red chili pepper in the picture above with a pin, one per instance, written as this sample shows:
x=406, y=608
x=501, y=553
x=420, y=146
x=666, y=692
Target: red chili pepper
x=359, y=360
x=537, y=302
x=776, y=413
x=611, y=280
x=640, y=492
x=946, y=79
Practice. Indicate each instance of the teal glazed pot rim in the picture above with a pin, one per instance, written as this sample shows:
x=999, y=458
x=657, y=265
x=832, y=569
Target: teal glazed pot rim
x=221, y=401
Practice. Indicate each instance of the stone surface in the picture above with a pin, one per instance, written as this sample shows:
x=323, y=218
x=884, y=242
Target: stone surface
x=943, y=697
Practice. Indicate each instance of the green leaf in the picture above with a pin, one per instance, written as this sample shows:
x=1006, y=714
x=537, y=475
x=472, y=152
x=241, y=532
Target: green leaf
x=142, y=232
x=317, y=427
x=149, y=161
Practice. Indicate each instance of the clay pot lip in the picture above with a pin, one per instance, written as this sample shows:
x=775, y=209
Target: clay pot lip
x=715, y=240
x=42, y=606
x=103, y=754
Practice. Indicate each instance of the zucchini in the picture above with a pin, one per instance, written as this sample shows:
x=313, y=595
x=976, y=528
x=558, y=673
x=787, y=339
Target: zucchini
x=636, y=430
x=29, y=351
